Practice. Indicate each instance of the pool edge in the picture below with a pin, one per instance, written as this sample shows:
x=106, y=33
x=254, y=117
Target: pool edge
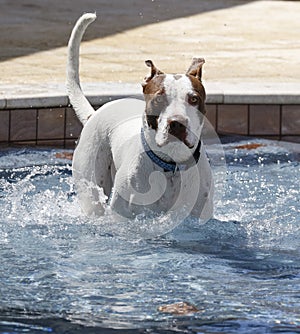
x=269, y=110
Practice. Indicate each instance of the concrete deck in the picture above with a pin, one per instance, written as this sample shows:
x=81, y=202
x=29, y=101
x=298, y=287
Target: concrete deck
x=242, y=41
x=251, y=75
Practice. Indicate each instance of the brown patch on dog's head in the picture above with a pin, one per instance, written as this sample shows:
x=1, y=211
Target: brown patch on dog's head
x=194, y=73
x=154, y=94
x=156, y=101
x=197, y=97
x=153, y=83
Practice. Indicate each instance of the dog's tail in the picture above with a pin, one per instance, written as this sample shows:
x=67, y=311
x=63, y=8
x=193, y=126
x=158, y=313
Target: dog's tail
x=79, y=102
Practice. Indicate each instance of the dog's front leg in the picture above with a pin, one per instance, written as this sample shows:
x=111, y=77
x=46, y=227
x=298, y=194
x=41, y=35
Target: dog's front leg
x=204, y=205
x=121, y=196
x=92, y=192
x=91, y=197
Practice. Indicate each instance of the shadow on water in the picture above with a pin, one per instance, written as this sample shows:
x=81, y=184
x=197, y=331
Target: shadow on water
x=18, y=321
x=33, y=26
x=182, y=325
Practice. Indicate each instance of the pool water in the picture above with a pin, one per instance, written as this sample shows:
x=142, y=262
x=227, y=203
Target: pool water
x=64, y=273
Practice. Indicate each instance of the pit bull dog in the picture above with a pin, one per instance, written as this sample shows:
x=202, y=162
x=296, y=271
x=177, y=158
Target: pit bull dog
x=136, y=156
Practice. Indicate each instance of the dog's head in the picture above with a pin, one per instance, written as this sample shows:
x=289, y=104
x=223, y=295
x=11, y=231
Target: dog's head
x=175, y=105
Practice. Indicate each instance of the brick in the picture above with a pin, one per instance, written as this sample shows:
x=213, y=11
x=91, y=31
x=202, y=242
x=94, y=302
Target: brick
x=23, y=124
x=51, y=123
x=232, y=119
x=4, y=125
x=290, y=120
x=211, y=114
x=264, y=120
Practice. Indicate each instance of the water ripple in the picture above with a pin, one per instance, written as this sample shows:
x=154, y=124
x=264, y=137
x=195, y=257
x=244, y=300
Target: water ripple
x=62, y=272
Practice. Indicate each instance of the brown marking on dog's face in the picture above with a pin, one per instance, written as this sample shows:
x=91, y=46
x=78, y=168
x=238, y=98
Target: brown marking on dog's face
x=177, y=76
x=198, y=96
x=156, y=102
x=155, y=98
x=194, y=72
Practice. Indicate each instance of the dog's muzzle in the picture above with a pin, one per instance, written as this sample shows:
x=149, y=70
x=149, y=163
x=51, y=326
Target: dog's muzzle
x=177, y=129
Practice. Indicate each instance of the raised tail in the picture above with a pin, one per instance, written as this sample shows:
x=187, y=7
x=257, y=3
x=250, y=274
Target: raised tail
x=79, y=102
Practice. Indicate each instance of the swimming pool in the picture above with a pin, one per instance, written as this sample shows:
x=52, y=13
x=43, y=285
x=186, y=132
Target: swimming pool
x=63, y=273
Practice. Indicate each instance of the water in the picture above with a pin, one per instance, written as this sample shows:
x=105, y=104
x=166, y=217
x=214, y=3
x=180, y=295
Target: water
x=63, y=273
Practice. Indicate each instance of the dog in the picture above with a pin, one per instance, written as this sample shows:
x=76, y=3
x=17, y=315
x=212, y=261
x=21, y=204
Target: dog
x=142, y=155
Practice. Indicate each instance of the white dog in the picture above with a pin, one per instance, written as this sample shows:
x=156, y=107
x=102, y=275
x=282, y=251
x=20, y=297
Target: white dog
x=143, y=155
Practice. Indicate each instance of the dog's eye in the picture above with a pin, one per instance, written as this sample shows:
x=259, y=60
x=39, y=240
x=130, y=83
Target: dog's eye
x=158, y=99
x=193, y=99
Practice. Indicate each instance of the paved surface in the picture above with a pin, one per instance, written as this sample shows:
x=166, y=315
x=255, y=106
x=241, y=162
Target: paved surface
x=242, y=41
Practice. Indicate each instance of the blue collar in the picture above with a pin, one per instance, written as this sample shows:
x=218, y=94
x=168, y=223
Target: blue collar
x=170, y=166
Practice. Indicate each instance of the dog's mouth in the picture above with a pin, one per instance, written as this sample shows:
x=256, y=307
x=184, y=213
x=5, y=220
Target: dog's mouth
x=172, y=136
x=181, y=138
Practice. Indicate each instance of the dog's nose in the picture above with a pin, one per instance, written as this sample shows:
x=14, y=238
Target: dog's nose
x=177, y=128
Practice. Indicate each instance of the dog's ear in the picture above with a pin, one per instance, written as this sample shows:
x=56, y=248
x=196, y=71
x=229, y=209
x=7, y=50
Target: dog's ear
x=154, y=71
x=195, y=68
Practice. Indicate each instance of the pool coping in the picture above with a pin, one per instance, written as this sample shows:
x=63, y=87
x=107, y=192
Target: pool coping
x=54, y=95
x=41, y=114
